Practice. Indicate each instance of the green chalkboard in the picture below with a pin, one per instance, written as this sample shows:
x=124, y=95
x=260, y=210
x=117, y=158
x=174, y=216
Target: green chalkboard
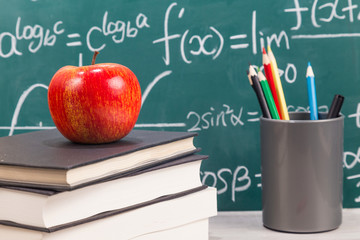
x=191, y=59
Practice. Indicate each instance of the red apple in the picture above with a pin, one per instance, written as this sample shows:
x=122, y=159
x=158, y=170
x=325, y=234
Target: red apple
x=94, y=104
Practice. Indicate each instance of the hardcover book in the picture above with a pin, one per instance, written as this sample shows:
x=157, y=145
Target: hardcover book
x=42, y=208
x=45, y=159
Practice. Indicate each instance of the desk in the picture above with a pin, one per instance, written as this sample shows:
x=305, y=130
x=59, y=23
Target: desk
x=248, y=226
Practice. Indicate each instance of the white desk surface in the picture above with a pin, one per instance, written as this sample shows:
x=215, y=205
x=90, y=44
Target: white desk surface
x=248, y=226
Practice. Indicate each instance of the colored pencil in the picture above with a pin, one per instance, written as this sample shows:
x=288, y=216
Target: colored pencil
x=254, y=82
x=279, y=90
x=310, y=78
x=335, y=106
x=270, y=80
x=268, y=96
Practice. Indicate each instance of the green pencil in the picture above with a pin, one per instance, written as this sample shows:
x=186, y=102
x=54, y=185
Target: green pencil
x=268, y=96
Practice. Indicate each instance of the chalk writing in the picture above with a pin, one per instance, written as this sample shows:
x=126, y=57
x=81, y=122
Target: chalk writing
x=289, y=74
x=356, y=115
x=352, y=160
x=240, y=180
x=270, y=39
x=19, y=104
x=166, y=39
x=195, y=45
x=258, y=175
x=201, y=41
x=194, y=39
x=254, y=116
x=73, y=43
x=330, y=9
x=321, y=108
x=36, y=35
x=190, y=44
x=118, y=30
x=227, y=116
x=215, y=118
x=323, y=13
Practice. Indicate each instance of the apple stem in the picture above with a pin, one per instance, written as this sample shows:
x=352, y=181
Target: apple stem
x=94, y=57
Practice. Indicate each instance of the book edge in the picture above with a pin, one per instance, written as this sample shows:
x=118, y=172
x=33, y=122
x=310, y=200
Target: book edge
x=60, y=188
x=105, y=214
x=191, y=157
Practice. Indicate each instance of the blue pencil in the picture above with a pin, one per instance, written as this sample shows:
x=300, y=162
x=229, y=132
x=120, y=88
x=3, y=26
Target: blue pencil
x=310, y=78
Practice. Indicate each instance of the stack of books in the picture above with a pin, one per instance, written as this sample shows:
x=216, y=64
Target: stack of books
x=145, y=186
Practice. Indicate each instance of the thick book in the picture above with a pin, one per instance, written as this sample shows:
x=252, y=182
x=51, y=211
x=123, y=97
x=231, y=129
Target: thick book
x=162, y=214
x=45, y=159
x=41, y=208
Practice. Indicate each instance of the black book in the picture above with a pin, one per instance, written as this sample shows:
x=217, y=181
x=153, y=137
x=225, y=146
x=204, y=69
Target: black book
x=45, y=159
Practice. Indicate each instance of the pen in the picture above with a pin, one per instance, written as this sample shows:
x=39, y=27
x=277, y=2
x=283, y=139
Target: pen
x=335, y=106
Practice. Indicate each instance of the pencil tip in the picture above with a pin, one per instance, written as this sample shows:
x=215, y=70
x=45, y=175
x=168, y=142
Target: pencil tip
x=268, y=48
x=252, y=70
x=264, y=51
x=249, y=77
x=261, y=76
x=309, y=71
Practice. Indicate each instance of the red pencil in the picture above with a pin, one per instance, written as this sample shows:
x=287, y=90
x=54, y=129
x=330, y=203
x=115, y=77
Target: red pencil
x=269, y=77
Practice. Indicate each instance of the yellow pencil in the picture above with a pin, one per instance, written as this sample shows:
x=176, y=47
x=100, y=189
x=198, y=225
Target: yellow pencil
x=278, y=86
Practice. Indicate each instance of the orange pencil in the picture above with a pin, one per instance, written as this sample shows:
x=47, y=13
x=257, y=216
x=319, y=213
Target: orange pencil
x=269, y=77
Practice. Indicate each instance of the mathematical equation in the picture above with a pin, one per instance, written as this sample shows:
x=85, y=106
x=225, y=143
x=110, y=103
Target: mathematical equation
x=227, y=116
x=36, y=36
x=211, y=43
x=322, y=13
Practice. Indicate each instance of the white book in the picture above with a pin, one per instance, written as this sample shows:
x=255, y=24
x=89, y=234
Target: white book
x=161, y=216
x=48, y=209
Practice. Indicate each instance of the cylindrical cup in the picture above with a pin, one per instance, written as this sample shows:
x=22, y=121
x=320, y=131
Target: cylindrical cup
x=302, y=173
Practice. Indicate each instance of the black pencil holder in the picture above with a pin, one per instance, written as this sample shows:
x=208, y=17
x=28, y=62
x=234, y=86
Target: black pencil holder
x=302, y=173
